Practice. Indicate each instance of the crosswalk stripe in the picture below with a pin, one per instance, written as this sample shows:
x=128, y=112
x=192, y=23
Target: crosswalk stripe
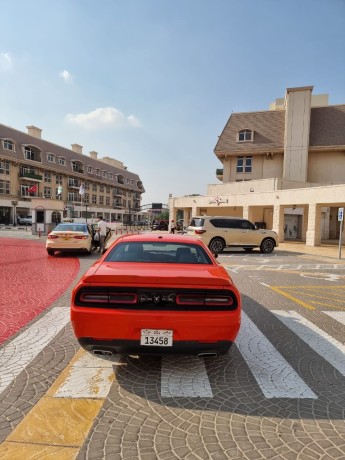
x=18, y=353
x=322, y=343
x=58, y=424
x=337, y=315
x=274, y=375
x=184, y=376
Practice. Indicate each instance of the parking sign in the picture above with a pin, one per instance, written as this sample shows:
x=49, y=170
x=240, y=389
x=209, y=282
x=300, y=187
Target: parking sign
x=340, y=214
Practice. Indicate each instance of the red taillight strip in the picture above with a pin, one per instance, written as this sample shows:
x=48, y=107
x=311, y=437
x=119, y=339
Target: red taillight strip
x=183, y=299
x=52, y=237
x=109, y=298
x=80, y=237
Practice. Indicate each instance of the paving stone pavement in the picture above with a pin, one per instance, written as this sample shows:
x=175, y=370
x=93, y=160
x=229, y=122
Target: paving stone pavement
x=143, y=416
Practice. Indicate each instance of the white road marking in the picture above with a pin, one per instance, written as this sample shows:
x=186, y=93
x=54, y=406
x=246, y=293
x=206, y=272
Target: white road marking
x=322, y=343
x=18, y=353
x=274, y=375
x=184, y=376
x=89, y=377
x=337, y=315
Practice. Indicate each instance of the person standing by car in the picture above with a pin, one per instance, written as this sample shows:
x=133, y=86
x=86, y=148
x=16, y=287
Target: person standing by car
x=172, y=226
x=102, y=230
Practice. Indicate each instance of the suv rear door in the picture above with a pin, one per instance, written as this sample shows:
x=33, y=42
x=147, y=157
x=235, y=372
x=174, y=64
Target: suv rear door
x=230, y=230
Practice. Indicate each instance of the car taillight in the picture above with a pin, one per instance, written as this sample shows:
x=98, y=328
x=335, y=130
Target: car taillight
x=209, y=300
x=52, y=237
x=109, y=298
x=81, y=237
x=199, y=232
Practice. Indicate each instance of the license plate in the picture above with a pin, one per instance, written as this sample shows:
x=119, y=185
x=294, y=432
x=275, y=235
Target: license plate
x=66, y=238
x=156, y=337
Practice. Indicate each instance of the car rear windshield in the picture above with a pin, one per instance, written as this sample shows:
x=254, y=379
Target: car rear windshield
x=159, y=252
x=197, y=222
x=71, y=228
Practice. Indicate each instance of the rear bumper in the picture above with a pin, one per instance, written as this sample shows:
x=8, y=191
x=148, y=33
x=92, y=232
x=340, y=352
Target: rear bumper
x=132, y=347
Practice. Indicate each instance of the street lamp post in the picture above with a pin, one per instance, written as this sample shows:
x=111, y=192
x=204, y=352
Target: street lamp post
x=14, y=204
x=86, y=206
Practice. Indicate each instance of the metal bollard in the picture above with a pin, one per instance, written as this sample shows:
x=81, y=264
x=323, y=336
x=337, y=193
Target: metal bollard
x=39, y=233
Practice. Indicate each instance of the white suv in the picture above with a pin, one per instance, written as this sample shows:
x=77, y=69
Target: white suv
x=220, y=232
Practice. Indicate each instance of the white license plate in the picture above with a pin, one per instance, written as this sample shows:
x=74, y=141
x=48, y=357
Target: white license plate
x=156, y=337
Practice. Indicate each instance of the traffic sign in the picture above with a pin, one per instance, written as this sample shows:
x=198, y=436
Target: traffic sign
x=340, y=214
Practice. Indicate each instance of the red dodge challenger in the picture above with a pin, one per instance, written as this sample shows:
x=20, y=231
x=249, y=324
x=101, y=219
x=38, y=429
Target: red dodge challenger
x=156, y=294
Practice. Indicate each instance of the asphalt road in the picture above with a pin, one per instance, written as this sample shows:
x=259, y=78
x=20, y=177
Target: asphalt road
x=278, y=394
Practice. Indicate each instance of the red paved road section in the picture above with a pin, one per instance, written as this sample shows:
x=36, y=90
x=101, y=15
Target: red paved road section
x=30, y=281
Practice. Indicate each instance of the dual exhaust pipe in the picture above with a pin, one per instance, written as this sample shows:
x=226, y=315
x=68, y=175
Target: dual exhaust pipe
x=108, y=353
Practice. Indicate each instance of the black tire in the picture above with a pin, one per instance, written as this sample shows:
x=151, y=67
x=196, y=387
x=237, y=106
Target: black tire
x=267, y=246
x=216, y=245
x=50, y=252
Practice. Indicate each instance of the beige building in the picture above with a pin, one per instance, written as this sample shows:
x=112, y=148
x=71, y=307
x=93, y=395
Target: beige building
x=51, y=182
x=283, y=168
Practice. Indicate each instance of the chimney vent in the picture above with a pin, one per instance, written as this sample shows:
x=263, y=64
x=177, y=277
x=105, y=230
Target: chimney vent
x=77, y=148
x=34, y=132
x=93, y=155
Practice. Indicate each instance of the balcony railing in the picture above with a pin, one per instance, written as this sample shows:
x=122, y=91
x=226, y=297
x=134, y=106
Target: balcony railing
x=29, y=175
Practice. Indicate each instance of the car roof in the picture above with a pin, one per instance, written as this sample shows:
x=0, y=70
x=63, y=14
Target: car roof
x=152, y=237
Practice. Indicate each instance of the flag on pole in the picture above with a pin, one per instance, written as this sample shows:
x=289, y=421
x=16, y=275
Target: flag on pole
x=81, y=189
x=32, y=189
x=59, y=190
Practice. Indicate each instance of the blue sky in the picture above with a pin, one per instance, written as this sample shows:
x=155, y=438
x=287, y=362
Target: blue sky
x=153, y=82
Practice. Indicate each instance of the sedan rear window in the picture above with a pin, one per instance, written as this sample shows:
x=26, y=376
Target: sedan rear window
x=71, y=228
x=158, y=252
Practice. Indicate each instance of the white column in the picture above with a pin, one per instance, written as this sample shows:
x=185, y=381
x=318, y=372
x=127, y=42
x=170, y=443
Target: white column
x=313, y=236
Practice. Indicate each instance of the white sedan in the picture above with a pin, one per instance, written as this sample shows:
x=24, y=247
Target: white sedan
x=70, y=237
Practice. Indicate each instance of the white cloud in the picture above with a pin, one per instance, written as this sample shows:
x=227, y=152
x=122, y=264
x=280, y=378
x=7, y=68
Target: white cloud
x=103, y=117
x=6, y=62
x=66, y=76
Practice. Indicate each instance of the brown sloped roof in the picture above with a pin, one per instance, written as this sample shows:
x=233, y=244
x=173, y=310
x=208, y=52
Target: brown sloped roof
x=268, y=136
x=21, y=138
x=327, y=128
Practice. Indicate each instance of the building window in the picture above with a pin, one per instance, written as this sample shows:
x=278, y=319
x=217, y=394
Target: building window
x=86, y=197
x=101, y=188
x=104, y=174
x=101, y=199
x=58, y=179
x=94, y=199
x=47, y=177
x=62, y=161
x=5, y=167
x=111, y=176
x=8, y=145
x=87, y=185
x=89, y=169
x=107, y=200
x=94, y=187
x=51, y=157
x=246, y=135
x=107, y=188
x=47, y=192
x=4, y=187
x=98, y=172
x=30, y=154
x=244, y=164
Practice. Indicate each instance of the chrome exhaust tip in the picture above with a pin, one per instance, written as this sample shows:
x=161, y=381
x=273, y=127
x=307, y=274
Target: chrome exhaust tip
x=105, y=353
x=207, y=355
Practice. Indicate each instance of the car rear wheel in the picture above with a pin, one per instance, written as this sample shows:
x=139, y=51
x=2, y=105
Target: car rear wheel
x=50, y=252
x=267, y=246
x=216, y=245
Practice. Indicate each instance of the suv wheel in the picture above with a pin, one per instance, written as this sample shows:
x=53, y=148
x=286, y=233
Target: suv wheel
x=50, y=252
x=267, y=246
x=216, y=245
